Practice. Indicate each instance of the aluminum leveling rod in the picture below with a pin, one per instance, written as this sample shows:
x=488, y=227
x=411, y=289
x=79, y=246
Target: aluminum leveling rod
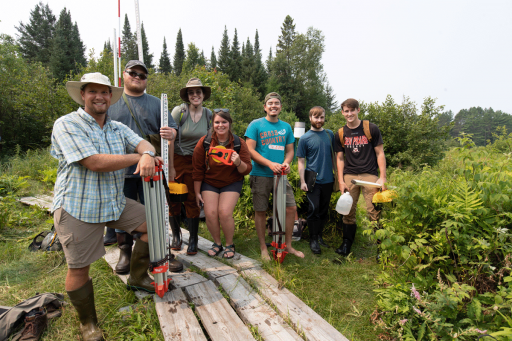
x=279, y=221
x=164, y=122
x=158, y=254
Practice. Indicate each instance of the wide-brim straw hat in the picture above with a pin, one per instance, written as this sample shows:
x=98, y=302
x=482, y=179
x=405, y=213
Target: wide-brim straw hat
x=74, y=87
x=195, y=83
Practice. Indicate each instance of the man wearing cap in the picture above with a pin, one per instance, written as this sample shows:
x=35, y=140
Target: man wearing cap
x=141, y=113
x=93, y=152
x=270, y=142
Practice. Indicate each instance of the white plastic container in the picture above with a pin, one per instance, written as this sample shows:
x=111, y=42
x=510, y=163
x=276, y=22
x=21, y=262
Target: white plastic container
x=344, y=204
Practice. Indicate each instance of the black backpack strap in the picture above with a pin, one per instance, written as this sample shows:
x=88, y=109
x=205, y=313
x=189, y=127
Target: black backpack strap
x=208, y=118
x=237, y=145
x=207, y=141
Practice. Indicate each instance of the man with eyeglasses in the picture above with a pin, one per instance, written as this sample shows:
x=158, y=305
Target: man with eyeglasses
x=141, y=113
x=270, y=142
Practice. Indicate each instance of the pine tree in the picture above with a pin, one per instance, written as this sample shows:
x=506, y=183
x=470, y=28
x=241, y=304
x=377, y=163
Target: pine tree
x=224, y=53
x=269, y=61
x=68, y=50
x=202, y=59
x=192, y=58
x=213, y=60
x=128, y=42
x=164, y=65
x=260, y=76
x=235, y=65
x=35, y=38
x=287, y=36
x=107, y=46
x=179, y=54
x=248, y=63
x=148, y=57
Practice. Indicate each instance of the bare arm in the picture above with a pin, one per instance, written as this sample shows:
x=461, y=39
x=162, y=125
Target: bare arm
x=381, y=161
x=197, y=190
x=288, y=158
x=340, y=162
x=109, y=162
x=302, y=168
x=274, y=166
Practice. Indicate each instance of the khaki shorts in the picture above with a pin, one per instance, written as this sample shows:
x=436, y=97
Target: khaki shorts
x=261, y=187
x=83, y=242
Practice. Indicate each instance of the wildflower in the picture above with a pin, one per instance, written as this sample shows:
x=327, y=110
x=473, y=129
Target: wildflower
x=417, y=310
x=415, y=293
x=480, y=331
x=402, y=322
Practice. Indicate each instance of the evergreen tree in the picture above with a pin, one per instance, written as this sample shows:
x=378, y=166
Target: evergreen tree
x=148, y=57
x=35, y=38
x=68, y=50
x=235, y=65
x=192, y=59
x=107, y=46
x=179, y=54
x=248, y=64
x=164, y=65
x=260, y=76
x=202, y=59
x=287, y=36
x=269, y=61
x=128, y=42
x=224, y=53
x=213, y=60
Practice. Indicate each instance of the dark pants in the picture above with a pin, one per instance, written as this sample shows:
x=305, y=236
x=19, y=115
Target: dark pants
x=132, y=188
x=319, y=201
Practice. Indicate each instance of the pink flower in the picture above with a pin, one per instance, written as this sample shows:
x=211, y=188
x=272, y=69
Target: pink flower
x=417, y=310
x=402, y=322
x=480, y=331
x=415, y=293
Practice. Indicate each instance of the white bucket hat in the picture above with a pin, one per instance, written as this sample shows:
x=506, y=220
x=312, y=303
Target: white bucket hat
x=74, y=87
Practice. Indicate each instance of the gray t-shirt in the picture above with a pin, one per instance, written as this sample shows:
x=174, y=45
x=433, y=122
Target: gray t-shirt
x=147, y=111
x=190, y=132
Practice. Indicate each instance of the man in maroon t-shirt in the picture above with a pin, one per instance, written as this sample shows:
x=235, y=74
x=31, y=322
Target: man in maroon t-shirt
x=358, y=158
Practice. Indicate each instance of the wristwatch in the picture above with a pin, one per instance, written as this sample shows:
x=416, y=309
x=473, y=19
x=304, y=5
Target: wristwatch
x=149, y=152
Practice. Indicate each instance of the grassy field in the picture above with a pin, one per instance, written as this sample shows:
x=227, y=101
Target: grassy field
x=339, y=289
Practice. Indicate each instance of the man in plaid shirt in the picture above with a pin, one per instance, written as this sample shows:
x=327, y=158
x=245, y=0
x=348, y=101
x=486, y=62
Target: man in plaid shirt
x=93, y=152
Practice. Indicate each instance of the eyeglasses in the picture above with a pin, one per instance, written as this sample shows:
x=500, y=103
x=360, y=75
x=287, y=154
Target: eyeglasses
x=219, y=110
x=197, y=92
x=142, y=76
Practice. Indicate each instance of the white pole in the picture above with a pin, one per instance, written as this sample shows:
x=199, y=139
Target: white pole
x=139, y=37
x=115, y=56
x=119, y=43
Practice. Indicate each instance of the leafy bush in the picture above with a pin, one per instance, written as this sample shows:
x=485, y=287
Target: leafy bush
x=448, y=237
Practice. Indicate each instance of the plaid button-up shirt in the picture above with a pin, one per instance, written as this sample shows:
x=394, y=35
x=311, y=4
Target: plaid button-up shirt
x=91, y=197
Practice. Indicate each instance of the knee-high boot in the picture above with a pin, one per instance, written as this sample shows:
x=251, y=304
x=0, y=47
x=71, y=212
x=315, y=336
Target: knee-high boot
x=193, y=228
x=349, y=234
x=174, y=221
x=83, y=301
x=125, y=243
x=139, y=278
x=320, y=234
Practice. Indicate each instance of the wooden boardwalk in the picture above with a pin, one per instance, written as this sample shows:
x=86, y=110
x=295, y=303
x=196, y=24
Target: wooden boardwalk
x=229, y=301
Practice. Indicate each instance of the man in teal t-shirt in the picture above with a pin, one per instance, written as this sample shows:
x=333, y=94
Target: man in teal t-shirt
x=270, y=142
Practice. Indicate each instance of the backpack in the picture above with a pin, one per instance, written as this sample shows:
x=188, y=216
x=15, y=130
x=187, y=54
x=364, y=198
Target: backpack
x=366, y=129
x=46, y=241
x=185, y=113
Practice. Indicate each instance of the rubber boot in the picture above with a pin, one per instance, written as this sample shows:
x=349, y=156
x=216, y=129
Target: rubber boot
x=176, y=232
x=320, y=233
x=83, y=301
x=139, y=278
x=313, y=237
x=125, y=243
x=349, y=234
x=193, y=227
x=110, y=237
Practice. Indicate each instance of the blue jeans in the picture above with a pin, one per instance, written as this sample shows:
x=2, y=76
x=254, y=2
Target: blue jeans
x=132, y=188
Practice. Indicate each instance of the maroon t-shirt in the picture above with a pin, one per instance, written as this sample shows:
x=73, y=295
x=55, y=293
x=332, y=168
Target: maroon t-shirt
x=359, y=153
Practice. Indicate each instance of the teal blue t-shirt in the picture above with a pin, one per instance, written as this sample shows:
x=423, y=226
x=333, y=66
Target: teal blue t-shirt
x=271, y=140
x=316, y=147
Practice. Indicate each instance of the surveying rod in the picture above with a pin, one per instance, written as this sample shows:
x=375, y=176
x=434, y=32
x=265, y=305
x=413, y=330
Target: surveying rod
x=279, y=220
x=164, y=122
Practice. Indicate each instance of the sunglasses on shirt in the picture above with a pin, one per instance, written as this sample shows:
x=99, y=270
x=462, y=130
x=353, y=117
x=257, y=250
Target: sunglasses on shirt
x=142, y=76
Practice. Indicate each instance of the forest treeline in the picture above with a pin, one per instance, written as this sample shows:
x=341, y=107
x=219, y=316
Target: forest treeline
x=48, y=52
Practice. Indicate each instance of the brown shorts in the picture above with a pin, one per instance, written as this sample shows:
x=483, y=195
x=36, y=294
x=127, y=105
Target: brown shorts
x=83, y=242
x=261, y=187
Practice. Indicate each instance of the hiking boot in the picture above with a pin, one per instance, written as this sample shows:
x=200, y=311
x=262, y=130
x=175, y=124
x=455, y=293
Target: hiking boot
x=193, y=228
x=174, y=264
x=83, y=301
x=139, y=278
x=125, y=243
x=110, y=237
x=36, y=322
x=176, y=232
x=320, y=233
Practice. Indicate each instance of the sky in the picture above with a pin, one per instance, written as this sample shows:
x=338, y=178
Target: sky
x=456, y=51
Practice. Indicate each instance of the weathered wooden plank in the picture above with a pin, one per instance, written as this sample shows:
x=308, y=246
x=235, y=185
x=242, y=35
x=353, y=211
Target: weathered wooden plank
x=177, y=319
x=186, y=278
x=240, y=261
x=217, y=316
x=43, y=201
x=211, y=266
x=288, y=305
x=255, y=311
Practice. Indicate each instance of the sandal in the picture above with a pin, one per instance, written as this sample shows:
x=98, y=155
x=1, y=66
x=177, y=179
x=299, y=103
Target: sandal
x=229, y=248
x=215, y=248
